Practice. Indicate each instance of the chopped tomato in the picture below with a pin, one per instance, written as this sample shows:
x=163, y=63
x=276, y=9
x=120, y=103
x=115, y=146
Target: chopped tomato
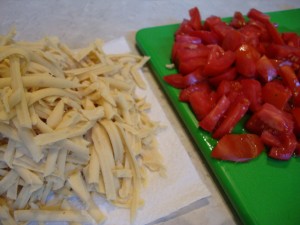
x=296, y=116
x=232, y=116
x=228, y=69
x=218, y=61
x=190, y=65
x=246, y=58
x=233, y=40
x=283, y=52
x=238, y=147
x=210, y=121
x=289, y=77
x=186, y=92
x=266, y=69
x=184, y=81
x=257, y=15
x=228, y=75
x=202, y=103
x=195, y=18
x=185, y=27
x=238, y=20
x=275, y=118
x=277, y=94
x=286, y=150
x=207, y=37
x=211, y=21
x=252, y=89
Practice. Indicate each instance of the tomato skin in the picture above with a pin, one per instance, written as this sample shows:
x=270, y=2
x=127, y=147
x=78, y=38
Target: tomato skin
x=238, y=147
x=226, y=87
x=190, y=65
x=207, y=37
x=266, y=69
x=255, y=125
x=228, y=75
x=246, y=58
x=195, y=18
x=233, y=40
x=232, y=116
x=202, y=103
x=186, y=92
x=252, y=89
x=291, y=39
x=211, y=21
x=289, y=77
x=275, y=118
x=265, y=19
x=283, y=52
x=210, y=121
x=277, y=94
x=269, y=139
x=238, y=20
x=185, y=27
x=188, y=39
x=221, y=29
x=296, y=116
x=218, y=61
x=286, y=150
x=198, y=51
x=183, y=81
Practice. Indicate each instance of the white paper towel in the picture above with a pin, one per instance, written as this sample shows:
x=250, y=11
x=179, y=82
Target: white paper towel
x=181, y=187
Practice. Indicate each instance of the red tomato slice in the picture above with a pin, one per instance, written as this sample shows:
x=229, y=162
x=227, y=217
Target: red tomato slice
x=269, y=139
x=265, y=69
x=252, y=89
x=238, y=20
x=202, y=103
x=207, y=37
x=286, y=150
x=277, y=94
x=265, y=19
x=221, y=29
x=183, y=81
x=255, y=125
x=228, y=75
x=201, y=51
x=210, y=121
x=238, y=147
x=246, y=58
x=211, y=21
x=285, y=52
x=291, y=39
x=296, y=115
x=275, y=118
x=232, y=116
x=218, y=61
x=233, y=40
x=186, y=38
x=228, y=86
x=185, y=27
x=290, y=79
x=186, y=92
x=195, y=18
x=190, y=65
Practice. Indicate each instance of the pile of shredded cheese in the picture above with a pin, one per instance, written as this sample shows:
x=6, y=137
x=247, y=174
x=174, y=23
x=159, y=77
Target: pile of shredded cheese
x=71, y=124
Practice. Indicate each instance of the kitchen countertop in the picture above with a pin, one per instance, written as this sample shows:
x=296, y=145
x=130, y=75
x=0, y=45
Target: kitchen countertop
x=112, y=19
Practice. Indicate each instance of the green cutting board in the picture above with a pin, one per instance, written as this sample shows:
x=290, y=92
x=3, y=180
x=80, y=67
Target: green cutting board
x=262, y=191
